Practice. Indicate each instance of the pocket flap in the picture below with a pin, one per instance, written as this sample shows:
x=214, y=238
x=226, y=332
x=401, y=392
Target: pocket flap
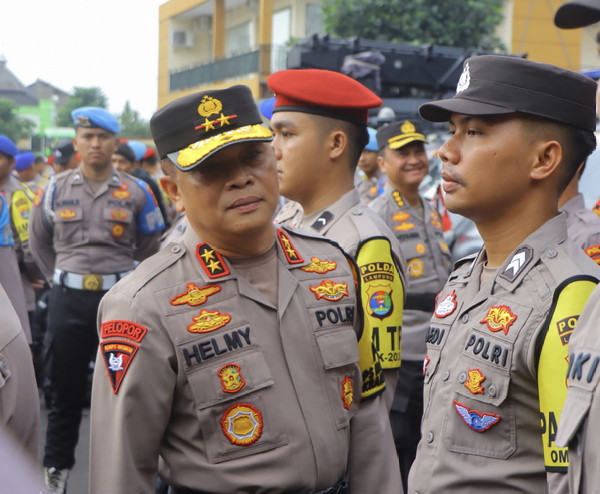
x=338, y=347
x=573, y=414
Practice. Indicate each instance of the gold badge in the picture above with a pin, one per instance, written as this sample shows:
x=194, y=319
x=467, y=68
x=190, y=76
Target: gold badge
x=92, y=282
x=398, y=198
x=331, y=291
x=400, y=216
x=195, y=295
x=83, y=121
x=67, y=214
x=242, y=424
x=420, y=248
x=473, y=382
x=118, y=215
x=117, y=231
x=206, y=321
x=403, y=227
x=121, y=194
x=499, y=318
x=231, y=378
x=347, y=392
x=211, y=261
x=407, y=127
x=415, y=268
x=318, y=266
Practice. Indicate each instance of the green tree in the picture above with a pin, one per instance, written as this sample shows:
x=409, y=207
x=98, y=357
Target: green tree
x=460, y=23
x=82, y=96
x=132, y=125
x=12, y=125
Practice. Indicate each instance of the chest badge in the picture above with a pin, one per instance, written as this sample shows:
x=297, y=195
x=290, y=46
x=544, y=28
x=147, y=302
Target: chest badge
x=380, y=301
x=347, y=392
x=118, y=215
x=231, y=378
x=447, y=306
x=415, y=267
x=474, y=380
x=121, y=194
x=318, y=266
x=477, y=421
x=195, y=295
x=206, y=321
x=117, y=230
x=242, y=424
x=499, y=318
x=400, y=216
x=67, y=214
x=331, y=291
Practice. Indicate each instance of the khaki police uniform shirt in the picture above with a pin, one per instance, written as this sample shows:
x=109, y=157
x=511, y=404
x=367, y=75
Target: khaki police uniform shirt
x=481, y=423
x=421, y=239
x=235, y=395
x=583, y=226
x=580, y=419
x=368, y=188
x=19, y=402
x=81, y=231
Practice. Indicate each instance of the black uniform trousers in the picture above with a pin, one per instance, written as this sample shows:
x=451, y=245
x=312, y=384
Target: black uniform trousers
x=71, y=343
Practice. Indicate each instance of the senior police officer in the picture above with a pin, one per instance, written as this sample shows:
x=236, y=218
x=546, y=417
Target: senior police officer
x=239, y=338
x=497, y=344
x=90, y=228
x=319, y=121
x=417, y=225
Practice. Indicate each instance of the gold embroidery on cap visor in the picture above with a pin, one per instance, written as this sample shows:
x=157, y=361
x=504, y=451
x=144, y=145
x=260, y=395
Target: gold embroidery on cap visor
x=197, y=152
x=403, y=139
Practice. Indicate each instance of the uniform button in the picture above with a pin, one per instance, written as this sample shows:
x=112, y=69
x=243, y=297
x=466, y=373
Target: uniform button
x=462, y=377
x=429, y=437
x=552, y=254
x=492, y=391
x=175, y=249
x=465, y=318
x=446, y=376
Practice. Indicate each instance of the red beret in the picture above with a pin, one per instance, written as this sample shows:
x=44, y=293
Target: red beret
x=150, y=153
x=322, y=92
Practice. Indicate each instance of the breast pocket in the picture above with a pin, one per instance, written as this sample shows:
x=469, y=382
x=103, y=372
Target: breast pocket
x=118, y=225
x=68, y=224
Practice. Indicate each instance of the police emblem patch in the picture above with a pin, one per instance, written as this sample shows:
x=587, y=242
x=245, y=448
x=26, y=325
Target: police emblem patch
x=118, y=355
x=195, y=295
x=206, y=321
x=447, y=306
x=231, y=378
x=380, y=301
x=211, y=261
x=212, y=106
x=318, y=266
x=242, y=424
x=499, y=318
x=400, y=216
x=117, y=230
x=291, y=254
x=347, y=392
x=67, y=214
x=121, y=194
x=474, y=380
x=330, y=290
x=415, y=268
x=477, y=421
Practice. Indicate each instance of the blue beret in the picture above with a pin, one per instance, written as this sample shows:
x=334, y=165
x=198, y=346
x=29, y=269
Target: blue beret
x=93, y=116
x=24, y=160
x=266, y=108
x=8, y=147
x=372, y=144
x=138, y=148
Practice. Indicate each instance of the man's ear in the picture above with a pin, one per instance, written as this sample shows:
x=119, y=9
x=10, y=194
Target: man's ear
x=549, y=156
x=171, y=187
x=381, y=163
x=337, y=143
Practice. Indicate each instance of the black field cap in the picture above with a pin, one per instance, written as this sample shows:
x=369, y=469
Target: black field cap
x=580, y=13
x=398, y=134
x=192, y=128
x=497, y=85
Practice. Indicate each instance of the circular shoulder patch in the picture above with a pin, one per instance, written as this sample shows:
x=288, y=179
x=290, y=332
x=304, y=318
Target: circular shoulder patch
x=242, y=424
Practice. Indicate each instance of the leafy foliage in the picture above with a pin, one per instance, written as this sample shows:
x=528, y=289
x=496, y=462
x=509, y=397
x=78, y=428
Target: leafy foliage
x=12, y=125
x=460, y=23
x=82, y=96
x=132, y=125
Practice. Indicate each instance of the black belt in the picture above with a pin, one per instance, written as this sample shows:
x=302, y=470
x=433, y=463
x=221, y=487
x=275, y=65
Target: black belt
x=420, y=301
x=340, y=488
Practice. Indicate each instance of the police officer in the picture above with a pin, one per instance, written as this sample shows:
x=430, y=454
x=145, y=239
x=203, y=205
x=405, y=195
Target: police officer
x=497, y=344
x=239, y=337
x=417, y=225
x=91, y=226
x=320, y=125
x=26, y=172
x=368, y=173
x=65, y=156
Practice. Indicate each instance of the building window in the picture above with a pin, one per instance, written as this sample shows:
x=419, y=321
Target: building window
x=240, y=39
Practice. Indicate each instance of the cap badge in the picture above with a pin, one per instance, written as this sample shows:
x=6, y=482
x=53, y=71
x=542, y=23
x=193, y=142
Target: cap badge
x=465, y=79
x=83, y=121
x=407, y=128
x=231, y=378
x=212, y=106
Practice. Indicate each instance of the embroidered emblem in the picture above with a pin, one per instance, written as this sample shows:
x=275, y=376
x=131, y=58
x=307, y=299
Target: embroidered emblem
x=318, y=266
x=517, y=262
x=39, y=196
x=400, y=216
x=474, y=380
x=403, y=227
x=447, y=306
x=444, y=246
x=594, y=253
x=242, y=424
x=211, y=261
x=83, y=121
x=380, y=301
x=118, y=355
x=121, y=194
x=420, y=248
x=206, y=321
x=398, y=198
x=231, y=378
x=124, y=329
x=67, y=214
x=117, y=230
x=347, y=392
x=477, y=421
x=415, y=268
x=465, y=79
x=498, y=318
x=407, y=127
x=124, y=185
x=436, y=224
x=212, y=106
x=291, y=254
x=565, y=327
x=195, y=295
x=321, y=221
x=329, y=290
x=426, y=361
x=118, y=215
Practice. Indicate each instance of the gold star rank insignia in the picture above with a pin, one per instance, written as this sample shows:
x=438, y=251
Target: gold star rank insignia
x=211, y=261
x=291, y=254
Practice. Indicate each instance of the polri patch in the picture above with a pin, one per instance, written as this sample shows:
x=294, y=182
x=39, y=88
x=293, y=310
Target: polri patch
x=211, y=261
x=242, y=424
x=499, y=318
x=347, y=392
x=478, y=421
x=195, y=295
x=206, y=321
x=291, y=254
x=330, y=290
x=231, y=378
x=447, y=306
x=474, y=380
x=319, y=266
x=118, y=356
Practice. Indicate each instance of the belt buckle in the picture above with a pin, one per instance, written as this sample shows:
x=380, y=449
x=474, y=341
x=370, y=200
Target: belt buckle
x=92, y=282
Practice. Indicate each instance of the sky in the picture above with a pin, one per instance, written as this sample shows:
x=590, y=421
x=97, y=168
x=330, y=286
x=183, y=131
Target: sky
x=111, y=44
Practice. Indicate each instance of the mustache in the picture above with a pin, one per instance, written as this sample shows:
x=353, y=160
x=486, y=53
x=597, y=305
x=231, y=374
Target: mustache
x=452, y=176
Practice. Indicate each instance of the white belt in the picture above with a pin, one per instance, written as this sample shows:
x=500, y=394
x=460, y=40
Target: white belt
x=90, y=282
